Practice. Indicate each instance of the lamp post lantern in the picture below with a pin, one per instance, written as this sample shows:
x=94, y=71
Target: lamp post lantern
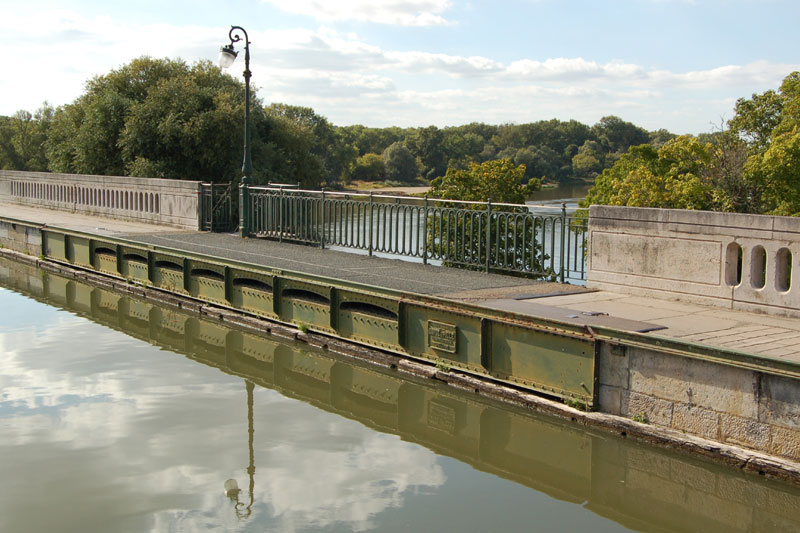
x=227, y=55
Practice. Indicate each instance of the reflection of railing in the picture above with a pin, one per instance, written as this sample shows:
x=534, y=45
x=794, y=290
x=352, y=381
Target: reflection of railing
x=494, y=237
x=218, y=211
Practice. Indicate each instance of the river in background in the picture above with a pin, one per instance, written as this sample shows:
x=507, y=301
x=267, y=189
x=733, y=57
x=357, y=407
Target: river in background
x=120, y=415
x=569, y=194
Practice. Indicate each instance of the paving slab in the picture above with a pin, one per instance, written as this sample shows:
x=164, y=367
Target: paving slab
x=406, y=276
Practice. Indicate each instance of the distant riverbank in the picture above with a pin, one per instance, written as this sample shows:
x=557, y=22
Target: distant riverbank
x=573, y=192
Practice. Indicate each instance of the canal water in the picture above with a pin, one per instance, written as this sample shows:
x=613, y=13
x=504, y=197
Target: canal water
x=120, y=415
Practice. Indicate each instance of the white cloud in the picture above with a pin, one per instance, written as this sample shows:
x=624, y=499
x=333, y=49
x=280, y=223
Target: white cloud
x=440, y=63
x=563, y=68
x=393, y=12
x=352, y=80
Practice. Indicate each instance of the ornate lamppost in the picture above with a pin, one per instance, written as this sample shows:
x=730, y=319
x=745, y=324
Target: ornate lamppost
x=227, y=55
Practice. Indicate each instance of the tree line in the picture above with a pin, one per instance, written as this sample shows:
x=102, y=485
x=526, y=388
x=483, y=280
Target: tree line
x=751, y=165
x=167, y=119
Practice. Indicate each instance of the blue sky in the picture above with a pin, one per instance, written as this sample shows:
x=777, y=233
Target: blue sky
x=675, y=64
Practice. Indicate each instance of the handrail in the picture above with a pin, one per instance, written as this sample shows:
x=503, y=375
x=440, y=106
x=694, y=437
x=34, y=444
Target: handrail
x=366, y=195
x=488, y=236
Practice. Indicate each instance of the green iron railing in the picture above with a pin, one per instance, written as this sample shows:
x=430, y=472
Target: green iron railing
x=218, y=210
x=539, y=241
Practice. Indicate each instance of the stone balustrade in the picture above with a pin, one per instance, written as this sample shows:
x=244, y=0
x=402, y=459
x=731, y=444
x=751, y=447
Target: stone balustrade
x=738, y=261
x=156, y=201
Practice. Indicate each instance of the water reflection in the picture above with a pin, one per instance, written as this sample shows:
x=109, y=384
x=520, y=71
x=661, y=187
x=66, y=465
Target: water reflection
x=295, y=466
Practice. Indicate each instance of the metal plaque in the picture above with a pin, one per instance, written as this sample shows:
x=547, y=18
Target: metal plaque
x=442, y=336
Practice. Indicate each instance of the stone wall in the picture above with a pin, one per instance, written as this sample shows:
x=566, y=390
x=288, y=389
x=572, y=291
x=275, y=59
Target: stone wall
x=748, y=262
x=723, y=403
x=157, y=201
x=21, y=238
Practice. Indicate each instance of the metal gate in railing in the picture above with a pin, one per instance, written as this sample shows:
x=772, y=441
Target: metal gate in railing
x=219, y=210
x=541, y=241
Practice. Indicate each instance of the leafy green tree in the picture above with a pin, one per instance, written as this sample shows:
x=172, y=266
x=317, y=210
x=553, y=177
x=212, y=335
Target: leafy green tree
x=370, y=140
x=461, y=148
x=164, y=118
x=84, y=136
x=755, y=119
x=769, y=125
x=369, y=167
x=588, y=161
x=427, y=145
x=189, y=124
x=499, y=180
x=617, y=135
x=673, y=176
x=461, y=240
x=22, y=138
x=399, y=163
x=334, y=159
x=659, y=138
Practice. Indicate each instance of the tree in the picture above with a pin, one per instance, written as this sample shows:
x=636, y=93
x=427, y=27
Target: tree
x=426, y=144
x=588, y=161
x=164, y=118
x=399, y=163
x=369, y=167
x=617, y=135
x=22, y=138
x=84, y=136
x=674, y=176
x=460, y=240
x=370, y=140
x=755, y=119
x=461, y=147
x=498, y=180
x=327, y=146
x=188, y=125
x=769, y=125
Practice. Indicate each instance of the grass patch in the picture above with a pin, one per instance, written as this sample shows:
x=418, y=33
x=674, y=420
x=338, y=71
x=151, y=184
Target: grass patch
x=443, y=365
x=577, y=403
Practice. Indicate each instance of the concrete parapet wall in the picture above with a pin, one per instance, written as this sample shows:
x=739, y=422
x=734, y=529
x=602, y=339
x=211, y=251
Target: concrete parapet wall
x=157, y=201
x=729, y=404
x=748, y=262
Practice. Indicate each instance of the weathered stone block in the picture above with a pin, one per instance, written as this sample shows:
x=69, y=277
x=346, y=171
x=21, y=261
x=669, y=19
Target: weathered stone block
x=785, y=442
x=694, y=382
x=696, y=420
x=657, y=257
x=33, y=236
x=656, y=410
x=780, y=402
x=610, y=399
x=613, y=368
x=744, y=431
